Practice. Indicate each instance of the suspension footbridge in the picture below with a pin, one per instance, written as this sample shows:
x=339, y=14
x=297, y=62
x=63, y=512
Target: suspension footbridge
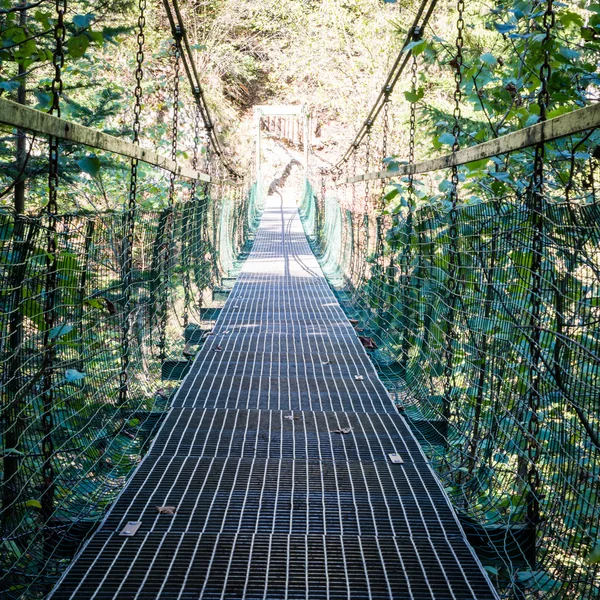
x=379, y=380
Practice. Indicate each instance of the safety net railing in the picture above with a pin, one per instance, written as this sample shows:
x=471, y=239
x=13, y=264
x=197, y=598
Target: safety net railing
x=112, y=273
x=473, y=280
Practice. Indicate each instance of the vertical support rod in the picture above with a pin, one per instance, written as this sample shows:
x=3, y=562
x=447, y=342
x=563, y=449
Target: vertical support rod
x=305, y=134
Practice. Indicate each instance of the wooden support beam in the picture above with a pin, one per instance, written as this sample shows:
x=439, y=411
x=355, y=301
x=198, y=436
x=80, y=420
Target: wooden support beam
x=23, y=117
x=279, y=109
x=574, y=122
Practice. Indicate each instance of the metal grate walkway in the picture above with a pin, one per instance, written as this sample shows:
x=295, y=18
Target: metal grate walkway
x=271, y=502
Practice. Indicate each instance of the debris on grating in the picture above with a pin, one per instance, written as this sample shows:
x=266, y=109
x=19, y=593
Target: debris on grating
x=188, y=351
x=400, y=408
x=218, y=349
x=396, y=458
x=353, y=321
x=358, y=377
x=367, y=342
x=130, y=528
x=291, y=418
x=166, y=510
x=343, y=430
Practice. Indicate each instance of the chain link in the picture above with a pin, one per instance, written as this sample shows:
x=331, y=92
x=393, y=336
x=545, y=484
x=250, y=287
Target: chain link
x=384, y=137
x=367, y=166
x=452, y=284
x=536, y=200
x=412, y=125
x=58, y=61
x=168, y=232
x=128, y=241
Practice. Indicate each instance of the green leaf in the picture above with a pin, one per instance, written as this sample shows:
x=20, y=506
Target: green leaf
x=446, y=138
x=416, y=47
x=488, y=59
x=475, y=165
x=504, y=27
x=34, y=504
x=569, y=54
x=73, y=375
x=83, y=21
x=415, y=96
x=9, y=86
x=593, y=557
x=89, y=165
x=78, y=45
x=391, y=194
x=59, y=331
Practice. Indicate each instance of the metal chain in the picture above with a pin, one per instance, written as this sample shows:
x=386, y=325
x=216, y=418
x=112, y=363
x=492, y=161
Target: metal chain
x=384, y=137
x=162, y=344
x=412, y=125
x=58, y=61
x=195, y=156
x=452, y=286
x=128, y=240
x=367, y=165
x=536, y=208
x=185, y=241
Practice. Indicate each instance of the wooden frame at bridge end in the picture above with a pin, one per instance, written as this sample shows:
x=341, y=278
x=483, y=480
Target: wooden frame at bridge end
x=568, y=124
x=24, y=117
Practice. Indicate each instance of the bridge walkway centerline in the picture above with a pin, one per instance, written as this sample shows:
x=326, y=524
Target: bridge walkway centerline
x=275, y=456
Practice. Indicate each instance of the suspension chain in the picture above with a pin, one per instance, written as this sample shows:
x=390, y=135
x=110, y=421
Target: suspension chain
x=457, y=63
x=536, y=208
x=384, y=137
x=58, y=61
x=367, y=165
x=162, y=344
x=128, y=240
x=185, y=241
x=412, y=126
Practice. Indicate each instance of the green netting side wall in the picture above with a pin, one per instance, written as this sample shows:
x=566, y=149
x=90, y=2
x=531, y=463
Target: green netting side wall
x=459, y=364
x=86, y=436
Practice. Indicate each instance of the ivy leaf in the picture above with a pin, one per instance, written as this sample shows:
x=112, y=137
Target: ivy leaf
x=73, y=375
x=78, y=45
x=89, y=165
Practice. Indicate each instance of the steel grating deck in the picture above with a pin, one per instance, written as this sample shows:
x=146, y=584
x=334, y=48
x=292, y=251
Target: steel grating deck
x=272, y=501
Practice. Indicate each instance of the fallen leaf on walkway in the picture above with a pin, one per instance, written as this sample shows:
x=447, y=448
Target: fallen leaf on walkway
x=400, y=408
x=353, y=321
x=291, y=418
x=166, y=510
x=218, y=349
x=358, y=377
x=367, y=342
x=344, y=430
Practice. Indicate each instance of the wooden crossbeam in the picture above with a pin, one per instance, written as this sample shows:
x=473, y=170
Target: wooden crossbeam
x=279, y=109
x=24, y=117
x=576, y=121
